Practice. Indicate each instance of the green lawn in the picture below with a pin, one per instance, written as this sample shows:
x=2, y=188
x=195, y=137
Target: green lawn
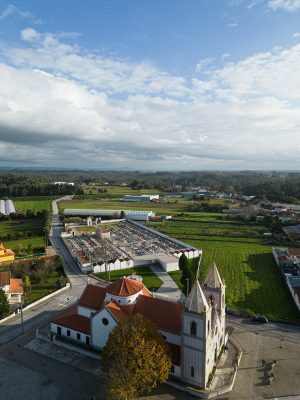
x=34, y=205
x=40, y=290
x=37, y=242
x=150, y=280
x=252, y=278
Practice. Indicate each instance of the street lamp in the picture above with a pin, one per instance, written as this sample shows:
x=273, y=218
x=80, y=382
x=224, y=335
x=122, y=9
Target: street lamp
x=21, y=309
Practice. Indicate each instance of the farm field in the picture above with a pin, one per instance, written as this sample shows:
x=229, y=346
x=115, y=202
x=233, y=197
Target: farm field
x=171, y=207
x=34, y=205
x=252, y=278
x=150, y=280
x=15, y=227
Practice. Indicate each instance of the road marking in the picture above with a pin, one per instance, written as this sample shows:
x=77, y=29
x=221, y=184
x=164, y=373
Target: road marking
x=66, y=299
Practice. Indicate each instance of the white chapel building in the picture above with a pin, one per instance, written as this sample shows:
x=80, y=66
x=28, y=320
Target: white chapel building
x=194, y=331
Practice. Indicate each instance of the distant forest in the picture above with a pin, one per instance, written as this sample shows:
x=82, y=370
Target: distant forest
x=23, y=185
x=273, y=186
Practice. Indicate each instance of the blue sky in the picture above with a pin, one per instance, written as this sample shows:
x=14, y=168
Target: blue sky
x=206, y=84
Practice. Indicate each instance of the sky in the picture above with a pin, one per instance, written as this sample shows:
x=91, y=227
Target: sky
x=150, y=85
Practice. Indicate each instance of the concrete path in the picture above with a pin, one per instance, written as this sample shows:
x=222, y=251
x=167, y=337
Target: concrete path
x=169, y=287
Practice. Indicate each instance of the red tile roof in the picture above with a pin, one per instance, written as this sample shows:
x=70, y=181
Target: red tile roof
x=16, y=286
x=118, y=312
x=124, y=287
x=165, y=314
x=93, y=297
x=74, y=321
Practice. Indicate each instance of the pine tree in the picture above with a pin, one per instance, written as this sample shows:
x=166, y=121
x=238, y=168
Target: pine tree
x=135, y=358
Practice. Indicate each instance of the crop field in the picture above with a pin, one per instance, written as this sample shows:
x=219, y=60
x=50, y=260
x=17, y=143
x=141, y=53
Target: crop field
x=15, y=227
x=252, y=278
x=34, y=205
x=150, y=280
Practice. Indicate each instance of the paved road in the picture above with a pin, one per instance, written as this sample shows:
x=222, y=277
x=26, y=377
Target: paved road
x=283, y=332
x=44, y=313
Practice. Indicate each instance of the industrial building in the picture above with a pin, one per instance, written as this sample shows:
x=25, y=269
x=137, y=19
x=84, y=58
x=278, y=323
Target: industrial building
x=7, y=207
x=124, y=245
x=136, y=215
x=141, y=198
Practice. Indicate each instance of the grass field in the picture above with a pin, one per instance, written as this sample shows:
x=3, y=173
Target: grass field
x=39, y=290
x=37, y=242
x=170, y=207
x=252, y=278
x=150, y=280
x=14, y=227
x=34, y=205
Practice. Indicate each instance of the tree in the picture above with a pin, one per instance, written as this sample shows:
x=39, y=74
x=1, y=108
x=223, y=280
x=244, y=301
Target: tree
x=4, y=304
x=27, y=283
x=135, y=358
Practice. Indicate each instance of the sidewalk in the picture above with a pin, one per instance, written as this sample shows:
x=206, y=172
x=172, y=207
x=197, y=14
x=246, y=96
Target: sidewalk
x=169, y=287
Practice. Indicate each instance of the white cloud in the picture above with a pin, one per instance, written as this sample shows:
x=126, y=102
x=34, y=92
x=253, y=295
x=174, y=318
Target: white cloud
x=203, y=64
x=287, y=5
x=30, y=34
x=11, y=9
x=296, y=35
x=68, y=107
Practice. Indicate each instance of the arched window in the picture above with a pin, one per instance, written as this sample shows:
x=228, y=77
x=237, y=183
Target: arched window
x=192, y=372
x=208, y=326
x=193, y=328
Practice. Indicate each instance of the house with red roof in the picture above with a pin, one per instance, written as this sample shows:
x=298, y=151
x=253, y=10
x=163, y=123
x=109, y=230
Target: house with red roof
x=13, y=288
x=194, y=331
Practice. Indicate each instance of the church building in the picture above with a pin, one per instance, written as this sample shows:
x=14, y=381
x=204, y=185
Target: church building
x=194, y=331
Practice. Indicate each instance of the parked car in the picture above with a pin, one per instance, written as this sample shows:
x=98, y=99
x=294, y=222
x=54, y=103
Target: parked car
x=260, y=318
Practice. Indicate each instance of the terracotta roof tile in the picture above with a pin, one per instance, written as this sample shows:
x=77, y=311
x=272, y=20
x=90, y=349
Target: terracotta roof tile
x=93, y=297
x=74, y=321
x=165, y=314
x=124, y=287
x=117, y=311
x=15, y=286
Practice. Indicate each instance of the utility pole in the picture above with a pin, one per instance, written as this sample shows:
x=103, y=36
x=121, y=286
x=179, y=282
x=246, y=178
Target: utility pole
x=22, y=322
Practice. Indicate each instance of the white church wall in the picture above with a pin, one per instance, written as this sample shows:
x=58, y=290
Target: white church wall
x=123, y=301
x=84, y=311
x=193, y=359
x=101, y=325
x=72, y=333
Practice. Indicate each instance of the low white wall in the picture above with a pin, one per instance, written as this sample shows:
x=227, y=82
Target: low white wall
x=49, y=296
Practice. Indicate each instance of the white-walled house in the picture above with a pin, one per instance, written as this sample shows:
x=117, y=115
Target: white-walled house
x=13, y=288
x=195, y=332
